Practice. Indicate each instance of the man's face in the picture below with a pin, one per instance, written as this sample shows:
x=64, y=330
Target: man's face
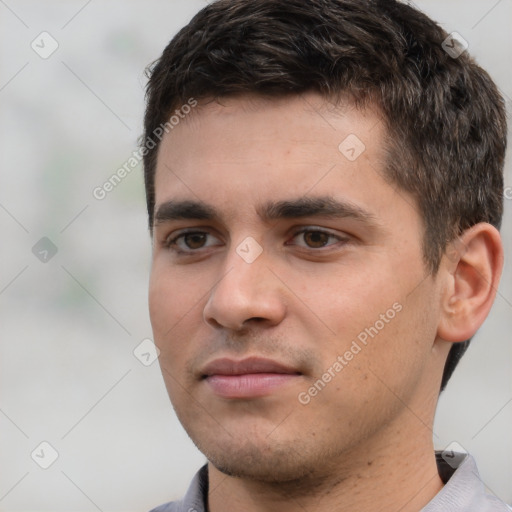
x=288, y=294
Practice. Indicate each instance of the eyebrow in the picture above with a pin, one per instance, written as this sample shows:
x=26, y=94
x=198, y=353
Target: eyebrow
x=324, y=206
x=179, y=210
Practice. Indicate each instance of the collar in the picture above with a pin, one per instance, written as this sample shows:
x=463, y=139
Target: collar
x=463, y=490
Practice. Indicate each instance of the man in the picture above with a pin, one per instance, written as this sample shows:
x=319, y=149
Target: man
x=324, y=187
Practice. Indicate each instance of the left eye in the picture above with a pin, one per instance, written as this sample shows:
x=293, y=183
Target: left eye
x=316, y=239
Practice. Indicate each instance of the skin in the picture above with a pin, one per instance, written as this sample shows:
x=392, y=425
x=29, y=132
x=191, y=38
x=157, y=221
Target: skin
x=366, y=436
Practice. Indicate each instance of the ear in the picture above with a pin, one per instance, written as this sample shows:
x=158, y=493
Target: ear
x=472, y=267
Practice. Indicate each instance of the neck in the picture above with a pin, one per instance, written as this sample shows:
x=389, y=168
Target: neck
x=398, y=475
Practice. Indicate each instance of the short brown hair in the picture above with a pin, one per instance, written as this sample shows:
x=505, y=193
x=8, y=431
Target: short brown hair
x=445, y=117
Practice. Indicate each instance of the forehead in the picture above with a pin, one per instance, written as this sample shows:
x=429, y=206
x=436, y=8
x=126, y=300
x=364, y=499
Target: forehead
x=239, y=152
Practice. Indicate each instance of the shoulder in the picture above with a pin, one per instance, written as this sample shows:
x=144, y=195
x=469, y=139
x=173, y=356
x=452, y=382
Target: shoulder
x=195, y=497
x=167, y=507
x=464, y=490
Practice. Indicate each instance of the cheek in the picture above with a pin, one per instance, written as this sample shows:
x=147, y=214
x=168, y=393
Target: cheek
x=347, y=300
x=168, y=308
x=171, y=296
x=395, y=348
x=169, y=301
x=369, y=320
x=176, y=302
x=161, y=304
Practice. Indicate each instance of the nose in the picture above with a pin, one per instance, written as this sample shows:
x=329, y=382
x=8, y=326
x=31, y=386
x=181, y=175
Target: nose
x=245, y=293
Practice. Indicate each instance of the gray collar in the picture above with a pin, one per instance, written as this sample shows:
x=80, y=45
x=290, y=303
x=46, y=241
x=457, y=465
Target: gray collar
x=463, y=490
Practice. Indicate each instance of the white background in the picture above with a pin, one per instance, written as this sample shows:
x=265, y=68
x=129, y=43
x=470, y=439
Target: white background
x=68, y=327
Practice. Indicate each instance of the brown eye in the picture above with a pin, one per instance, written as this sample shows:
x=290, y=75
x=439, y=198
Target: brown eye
x=191, y=242
x=195, y=240
x=316, y=239
x=313, y=238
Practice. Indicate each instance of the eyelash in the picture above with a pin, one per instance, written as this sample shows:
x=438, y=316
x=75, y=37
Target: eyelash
x=170, y=242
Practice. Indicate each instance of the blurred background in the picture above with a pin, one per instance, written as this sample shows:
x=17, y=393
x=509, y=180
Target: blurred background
x=78, y=395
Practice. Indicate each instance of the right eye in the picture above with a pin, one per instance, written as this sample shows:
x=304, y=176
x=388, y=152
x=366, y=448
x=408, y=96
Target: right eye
x=190, y=241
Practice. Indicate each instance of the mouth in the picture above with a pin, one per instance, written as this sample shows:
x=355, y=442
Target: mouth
x=249, y=378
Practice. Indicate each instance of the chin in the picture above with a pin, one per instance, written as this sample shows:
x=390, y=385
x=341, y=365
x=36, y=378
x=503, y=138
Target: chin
x=262, y=461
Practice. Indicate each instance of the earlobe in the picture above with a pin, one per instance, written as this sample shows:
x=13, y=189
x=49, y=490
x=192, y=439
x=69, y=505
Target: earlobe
x=473, y=265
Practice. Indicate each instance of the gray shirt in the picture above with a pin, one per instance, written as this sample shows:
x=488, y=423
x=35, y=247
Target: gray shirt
x=463, y=491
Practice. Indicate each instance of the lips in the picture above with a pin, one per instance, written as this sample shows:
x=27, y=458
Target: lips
x=250, y=365
x=249, y=378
